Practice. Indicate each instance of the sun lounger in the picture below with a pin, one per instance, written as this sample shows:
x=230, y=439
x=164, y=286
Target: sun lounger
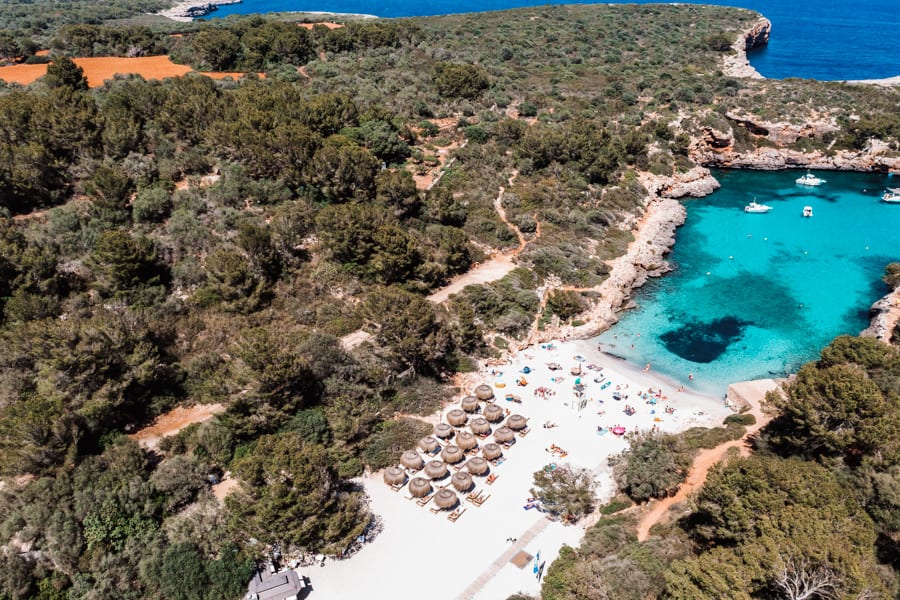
x=491, y=478
x=425, y=500
x=473, y=494
x=455, y=515
x=524, y=432
x=480, y=500
x=435, y=511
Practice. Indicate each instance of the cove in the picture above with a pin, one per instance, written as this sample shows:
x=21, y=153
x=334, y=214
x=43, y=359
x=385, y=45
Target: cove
x=758, y=295
x=810, y=39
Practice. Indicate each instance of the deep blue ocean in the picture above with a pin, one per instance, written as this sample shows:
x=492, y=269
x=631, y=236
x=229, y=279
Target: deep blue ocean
x=757, y=295
x=812, y=39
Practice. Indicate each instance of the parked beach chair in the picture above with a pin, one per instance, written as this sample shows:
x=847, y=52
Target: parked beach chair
x=435, y=510
x=480, y=500
x=524, y=432
x=455, y=515
x=491, y=478
x=398, y=486
x=425, y=500
x=473, y=494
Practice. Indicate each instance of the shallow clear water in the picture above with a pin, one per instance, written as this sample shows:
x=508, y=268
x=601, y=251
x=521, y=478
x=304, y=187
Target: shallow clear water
x=814, y=39
x=757, y=295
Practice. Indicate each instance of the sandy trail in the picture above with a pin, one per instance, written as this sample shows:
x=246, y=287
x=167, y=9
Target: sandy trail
x=498, y=265
x=174, y=421
x=753, y=392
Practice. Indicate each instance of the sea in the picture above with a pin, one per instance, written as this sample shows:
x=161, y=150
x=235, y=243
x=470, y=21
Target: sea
x=826, y=40
x=757, y=295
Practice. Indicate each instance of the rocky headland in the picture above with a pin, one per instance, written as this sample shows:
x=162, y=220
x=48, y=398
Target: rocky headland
x=885, y=314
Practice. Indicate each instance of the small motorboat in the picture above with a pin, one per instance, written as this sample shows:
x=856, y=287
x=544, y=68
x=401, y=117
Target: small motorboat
x=809, y=179
x=807, y=211
x=755, y=208
x=891, y=196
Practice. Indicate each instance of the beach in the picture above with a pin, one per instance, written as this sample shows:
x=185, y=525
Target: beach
x=419, y=551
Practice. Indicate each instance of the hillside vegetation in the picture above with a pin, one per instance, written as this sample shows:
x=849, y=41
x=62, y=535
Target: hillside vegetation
x=193, y=241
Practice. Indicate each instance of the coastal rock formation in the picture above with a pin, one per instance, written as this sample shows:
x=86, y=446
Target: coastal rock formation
x=715, y=148
x=737, y=64
x=885, y=315
x=696, y=183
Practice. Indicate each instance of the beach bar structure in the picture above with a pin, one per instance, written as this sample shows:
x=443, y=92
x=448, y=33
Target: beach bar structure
x=284, y=585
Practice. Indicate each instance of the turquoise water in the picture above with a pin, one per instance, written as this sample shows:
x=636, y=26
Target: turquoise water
x=816, y=39
x=757, y=295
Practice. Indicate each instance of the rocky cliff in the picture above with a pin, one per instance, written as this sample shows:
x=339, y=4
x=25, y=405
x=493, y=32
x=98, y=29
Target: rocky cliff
x=885, y=314
x=736, y=64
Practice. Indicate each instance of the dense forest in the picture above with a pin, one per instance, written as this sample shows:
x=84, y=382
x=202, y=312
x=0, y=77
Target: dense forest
x=198, y=241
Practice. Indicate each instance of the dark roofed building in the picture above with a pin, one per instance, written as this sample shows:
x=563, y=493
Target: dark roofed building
x=285, y=585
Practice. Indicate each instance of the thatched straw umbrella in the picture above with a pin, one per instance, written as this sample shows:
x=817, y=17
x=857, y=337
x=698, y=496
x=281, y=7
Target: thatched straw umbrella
x=411, y=460
x=442, y=430
x=484, y=392
x=466, y=440
x=445, y=499
x=428, y=443
x=477, y=465
x=516, y=422
x=493, y=413
x=435, y=469
x=504, y=435
x=469, y=404
x=457, y=417
x=479, y=426
x=462, y=481
x=394, y=475
x=419, y=487
x=452, y=455
x=491, y=451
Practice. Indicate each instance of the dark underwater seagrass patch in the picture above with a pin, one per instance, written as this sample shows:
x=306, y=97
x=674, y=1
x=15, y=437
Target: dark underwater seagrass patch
x=704, y=342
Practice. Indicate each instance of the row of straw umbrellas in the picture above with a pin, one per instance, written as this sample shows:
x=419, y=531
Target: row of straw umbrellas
x=453, y=454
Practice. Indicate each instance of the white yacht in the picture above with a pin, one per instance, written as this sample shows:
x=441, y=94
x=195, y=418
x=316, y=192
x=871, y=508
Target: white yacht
x=891, y=196
x=809, y=179
x=753, y=207
x=807, y=211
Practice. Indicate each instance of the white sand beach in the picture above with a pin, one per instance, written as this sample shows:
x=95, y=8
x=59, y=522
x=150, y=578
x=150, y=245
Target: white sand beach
x=419, y=552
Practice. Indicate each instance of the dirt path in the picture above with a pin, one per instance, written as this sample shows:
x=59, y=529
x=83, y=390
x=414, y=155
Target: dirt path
x=224, y=487
x=352, y=340
x=707, y=458
x=495, y=267
x=174, y=421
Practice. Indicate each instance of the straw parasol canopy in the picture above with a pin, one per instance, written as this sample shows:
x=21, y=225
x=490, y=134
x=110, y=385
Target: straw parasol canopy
x=457, y=417
x=428, y=443
x=411, y=460
x=445, y=499
x=442, y=430
x=516, y=422
x=419, y=487
x=479, y=425
x=504, y=434
x=466, y=440
x=462, y=481
x=470, y=404
x=435, y=469
x=477, y=465
x=452, y=455
x=484, y=392
x=493, y=413
x=491, y=451
x=394, y=475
